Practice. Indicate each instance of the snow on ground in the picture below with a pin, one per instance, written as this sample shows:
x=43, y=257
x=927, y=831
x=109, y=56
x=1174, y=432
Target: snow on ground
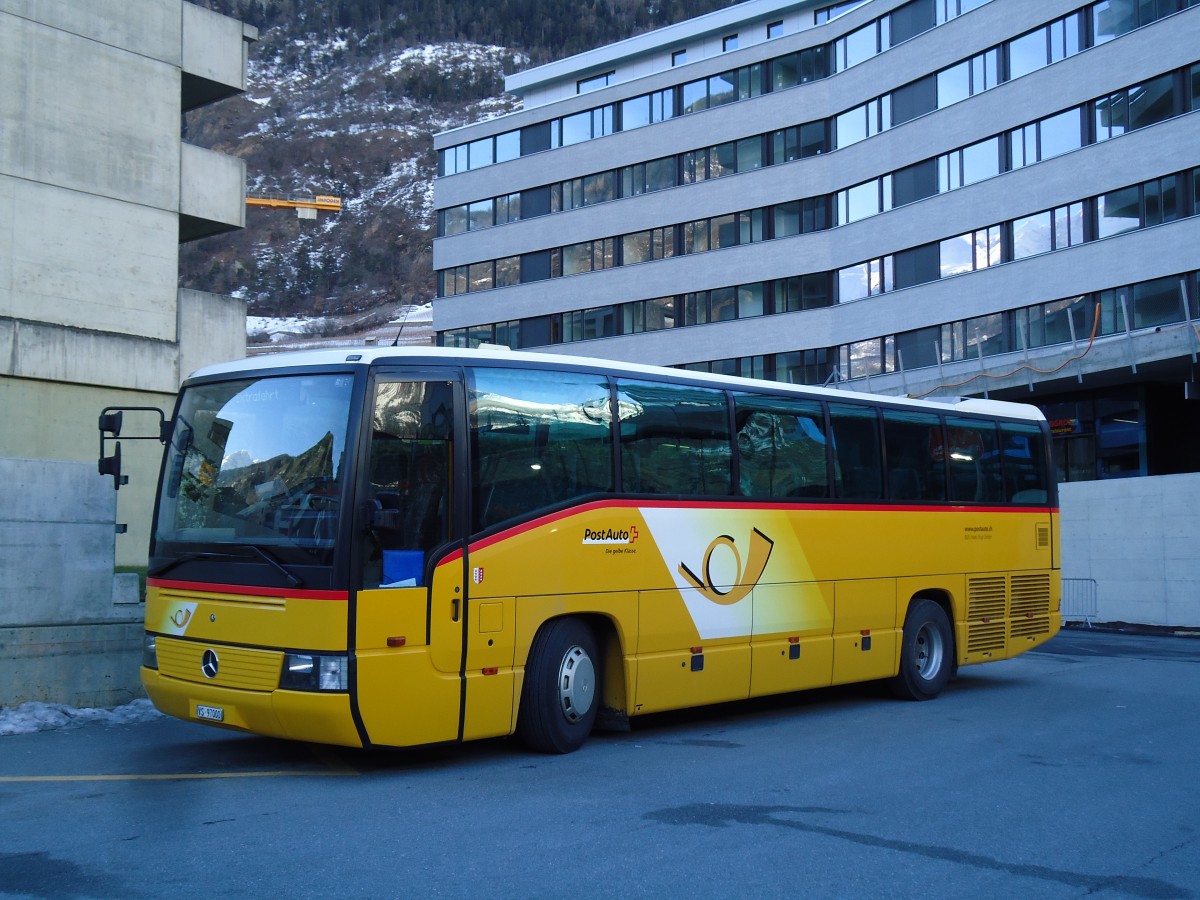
x=414, y=314
x=279, y=328
x=35, y=716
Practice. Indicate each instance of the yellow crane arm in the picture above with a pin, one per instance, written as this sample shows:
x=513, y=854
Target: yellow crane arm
x=295, y=201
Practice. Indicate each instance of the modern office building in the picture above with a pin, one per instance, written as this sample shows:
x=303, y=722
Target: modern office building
x=97, y=190
x=931, y=197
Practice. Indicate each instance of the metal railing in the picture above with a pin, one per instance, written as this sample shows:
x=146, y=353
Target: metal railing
x=1079, y=600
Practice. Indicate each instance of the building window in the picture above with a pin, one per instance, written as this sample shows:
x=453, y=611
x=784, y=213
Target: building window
x=774, y=30
x=833, y=11
x=729, y=42
x=858, y=46
x=959, y=168
x=1048, y=137
x=1135, y=107
x=1064, y=37
x=864, y=200
x=722, y=88
x=454, y=220
x=910, y=20
x=864, y=121
x=865, y=280
x=1113, y=18
x=1118, y=212
x=594, y=82
x=950, y=9
x=805, y=366
x=970, y=252
x=644, y=178
x=1042, y=232
x=802, y=292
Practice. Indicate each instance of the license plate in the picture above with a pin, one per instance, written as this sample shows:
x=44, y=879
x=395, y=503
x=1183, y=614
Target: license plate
x=212, y=713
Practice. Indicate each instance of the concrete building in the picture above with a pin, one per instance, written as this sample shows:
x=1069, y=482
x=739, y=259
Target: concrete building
x=97, y=191
x=926, y=197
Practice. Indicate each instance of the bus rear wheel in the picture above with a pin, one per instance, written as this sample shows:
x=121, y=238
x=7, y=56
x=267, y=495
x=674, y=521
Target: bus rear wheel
x=559, y=698
x=926, y=652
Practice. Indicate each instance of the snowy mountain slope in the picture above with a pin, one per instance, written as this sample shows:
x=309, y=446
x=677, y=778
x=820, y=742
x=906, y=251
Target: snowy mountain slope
x=344, y=98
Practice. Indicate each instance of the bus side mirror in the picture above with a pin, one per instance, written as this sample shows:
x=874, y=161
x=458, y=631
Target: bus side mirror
x=110, y=422
x=111, y=465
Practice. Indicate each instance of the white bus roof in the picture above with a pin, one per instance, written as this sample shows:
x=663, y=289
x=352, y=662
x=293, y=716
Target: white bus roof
x=353, y=357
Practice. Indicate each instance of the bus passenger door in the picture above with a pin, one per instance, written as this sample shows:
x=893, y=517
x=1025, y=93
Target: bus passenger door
x=409, y=610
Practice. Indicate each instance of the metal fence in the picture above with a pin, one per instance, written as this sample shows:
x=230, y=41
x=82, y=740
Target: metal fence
x=1079, y=600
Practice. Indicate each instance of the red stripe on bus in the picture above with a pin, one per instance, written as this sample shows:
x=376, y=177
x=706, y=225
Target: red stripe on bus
x=247, y=590
x=542, y=521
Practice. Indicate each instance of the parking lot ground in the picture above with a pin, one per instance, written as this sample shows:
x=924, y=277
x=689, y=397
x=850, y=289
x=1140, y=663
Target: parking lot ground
x=1068, y=772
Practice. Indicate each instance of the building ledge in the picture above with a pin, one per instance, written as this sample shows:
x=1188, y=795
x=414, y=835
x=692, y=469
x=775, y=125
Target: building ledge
x=214, y=53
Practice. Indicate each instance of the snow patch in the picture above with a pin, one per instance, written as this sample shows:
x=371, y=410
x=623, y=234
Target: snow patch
x=36, y=716
x=282, y=327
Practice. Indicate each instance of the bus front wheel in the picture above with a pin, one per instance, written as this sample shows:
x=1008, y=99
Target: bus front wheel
x=559, y=698
x=926, y=652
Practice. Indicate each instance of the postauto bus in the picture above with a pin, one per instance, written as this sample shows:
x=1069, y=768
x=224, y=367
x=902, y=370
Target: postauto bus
x=398, y=547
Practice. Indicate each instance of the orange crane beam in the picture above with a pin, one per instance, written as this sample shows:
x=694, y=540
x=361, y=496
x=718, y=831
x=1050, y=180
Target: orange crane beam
x=295, y=201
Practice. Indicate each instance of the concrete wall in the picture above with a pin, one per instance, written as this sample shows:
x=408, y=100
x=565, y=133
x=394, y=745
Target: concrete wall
x=1137, y=538
x=212, y=329
x=97, y=188
x=70, y=630
x=94, y=181
x=204, y=181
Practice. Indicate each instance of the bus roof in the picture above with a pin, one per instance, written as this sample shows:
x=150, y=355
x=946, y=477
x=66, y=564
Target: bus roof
x=348, y=358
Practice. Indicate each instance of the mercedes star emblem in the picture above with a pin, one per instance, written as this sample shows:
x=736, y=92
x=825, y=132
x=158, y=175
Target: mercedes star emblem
x=209, y=664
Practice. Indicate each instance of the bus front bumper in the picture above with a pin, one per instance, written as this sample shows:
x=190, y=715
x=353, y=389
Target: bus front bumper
x=322, y=718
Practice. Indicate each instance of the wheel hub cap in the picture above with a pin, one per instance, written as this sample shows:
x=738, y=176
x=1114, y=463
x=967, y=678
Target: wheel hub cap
x=576, y=684
x=929, y=651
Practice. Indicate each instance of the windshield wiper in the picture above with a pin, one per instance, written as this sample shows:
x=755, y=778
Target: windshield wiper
x=182, y=558
x=292, y=579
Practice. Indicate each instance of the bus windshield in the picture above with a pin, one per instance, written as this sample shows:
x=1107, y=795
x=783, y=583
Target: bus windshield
x=256, y=462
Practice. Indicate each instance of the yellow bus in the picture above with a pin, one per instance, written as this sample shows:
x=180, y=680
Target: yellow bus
x=399, y=547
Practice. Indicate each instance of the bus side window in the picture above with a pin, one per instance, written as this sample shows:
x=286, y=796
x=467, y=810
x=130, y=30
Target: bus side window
x=781, y=447
x=674, y=439
x=974, y=455
x=916, y=456
x=858, y=465
x=1024, y=455
x=538, y=438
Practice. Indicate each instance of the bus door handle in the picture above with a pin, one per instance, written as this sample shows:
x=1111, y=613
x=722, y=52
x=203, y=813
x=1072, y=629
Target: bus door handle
x=454, y=610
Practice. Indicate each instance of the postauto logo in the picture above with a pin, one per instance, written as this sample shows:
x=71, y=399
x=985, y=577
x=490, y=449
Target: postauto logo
x=621, y=536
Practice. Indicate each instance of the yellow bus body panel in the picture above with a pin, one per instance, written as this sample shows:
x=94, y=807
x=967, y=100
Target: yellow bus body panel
x=404, y=701
x=699, y=622
x=866, y=645
x=249, y=633
x=247, y=618
x=300, y=716
x=692, y=602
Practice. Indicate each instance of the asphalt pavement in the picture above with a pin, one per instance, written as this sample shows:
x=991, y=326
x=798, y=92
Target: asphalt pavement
x=1068, y=772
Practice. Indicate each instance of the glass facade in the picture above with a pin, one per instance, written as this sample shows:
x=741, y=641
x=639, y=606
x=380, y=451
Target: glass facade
x=891, y=267
x=1022, y=146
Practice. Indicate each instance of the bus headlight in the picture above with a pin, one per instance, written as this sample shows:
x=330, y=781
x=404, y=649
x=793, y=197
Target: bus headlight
x=308, y=672
x=150, y=651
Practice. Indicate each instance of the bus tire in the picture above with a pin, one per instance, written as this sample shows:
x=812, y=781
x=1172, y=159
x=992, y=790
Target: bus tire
x=927, y=652
x=560, y=694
